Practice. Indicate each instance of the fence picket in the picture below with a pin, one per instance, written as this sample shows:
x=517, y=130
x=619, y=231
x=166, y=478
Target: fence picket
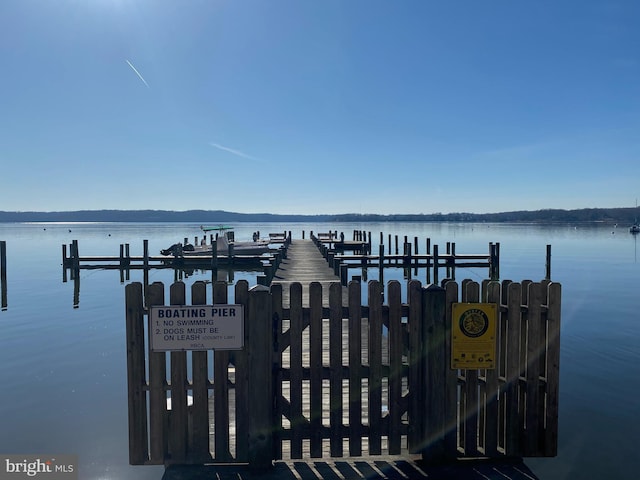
x=470, y=293
x=335, y=369
x=375, y=368
x=199, y=436
x=553, y=368
x=533, y=351
x=355, y=370
x=242, y=400
x=315, y=365
x=297, y=419
x=395, y=367
x=513, y=418
x=157, y=396
x=139, y=452
x=221, y=387
x=178, y=422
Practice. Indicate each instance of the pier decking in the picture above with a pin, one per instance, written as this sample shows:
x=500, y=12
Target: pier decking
x=304, y=264
x=378, y=468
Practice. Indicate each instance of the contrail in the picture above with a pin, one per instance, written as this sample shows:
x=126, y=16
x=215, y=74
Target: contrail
x=235, y=152
x=137, y=72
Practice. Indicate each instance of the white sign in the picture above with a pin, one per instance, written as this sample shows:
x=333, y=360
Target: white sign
x=196, y=327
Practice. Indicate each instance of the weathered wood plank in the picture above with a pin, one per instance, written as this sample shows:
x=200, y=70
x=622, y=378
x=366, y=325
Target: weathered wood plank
x=416, y=367
x=553, y=368
x=471, y=293
x=315, y=365
x=453, y=422
x=355, y=375
x=138, y=449
x=433, y=301
x=199, y=437
x=221, y=387
x=513, y=419
x=260, y=386
x=158, y=442
x=375, y=368
x=279, y=344
x=534, y=325
x=491, y=389
x=295, y=396
x=395, y=367
x=335, y=369
x=178, y=422
x=242, y=399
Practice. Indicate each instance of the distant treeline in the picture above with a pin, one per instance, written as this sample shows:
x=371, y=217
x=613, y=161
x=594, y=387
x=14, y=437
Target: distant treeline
x=608, y=215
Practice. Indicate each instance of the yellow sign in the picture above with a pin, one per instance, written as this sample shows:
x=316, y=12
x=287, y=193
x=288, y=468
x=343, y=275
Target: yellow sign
x=473, y=335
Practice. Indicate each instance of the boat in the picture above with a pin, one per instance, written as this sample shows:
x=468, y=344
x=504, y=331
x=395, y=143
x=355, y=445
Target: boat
x=225, y=243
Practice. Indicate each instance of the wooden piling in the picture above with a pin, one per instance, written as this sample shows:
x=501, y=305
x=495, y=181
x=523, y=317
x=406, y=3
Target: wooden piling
x=547, y=275
x=435, y=264
x=3, y=273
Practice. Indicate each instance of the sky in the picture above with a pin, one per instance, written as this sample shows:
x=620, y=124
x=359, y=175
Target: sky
x=307, y=107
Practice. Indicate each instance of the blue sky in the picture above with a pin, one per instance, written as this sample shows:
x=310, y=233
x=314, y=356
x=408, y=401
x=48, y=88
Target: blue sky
x=300, y=106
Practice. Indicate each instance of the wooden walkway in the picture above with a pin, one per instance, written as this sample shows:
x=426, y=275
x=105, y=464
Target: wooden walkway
x=378, y=468
x=305, y=264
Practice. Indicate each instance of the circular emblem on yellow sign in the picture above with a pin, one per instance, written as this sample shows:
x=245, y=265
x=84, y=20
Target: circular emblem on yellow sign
x=474, y=323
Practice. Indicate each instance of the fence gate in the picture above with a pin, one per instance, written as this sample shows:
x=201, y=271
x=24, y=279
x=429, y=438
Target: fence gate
x=338, y=378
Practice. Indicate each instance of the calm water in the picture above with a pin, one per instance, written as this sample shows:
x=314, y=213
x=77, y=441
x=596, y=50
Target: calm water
x=63, y=369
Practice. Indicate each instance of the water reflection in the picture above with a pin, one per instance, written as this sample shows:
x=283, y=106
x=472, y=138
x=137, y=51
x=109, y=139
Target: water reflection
x=226, y=274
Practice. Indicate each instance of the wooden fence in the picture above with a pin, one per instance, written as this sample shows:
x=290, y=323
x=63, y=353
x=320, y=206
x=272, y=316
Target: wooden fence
x=316, y=381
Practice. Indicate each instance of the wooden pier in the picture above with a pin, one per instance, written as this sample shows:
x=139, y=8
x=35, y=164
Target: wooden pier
x=304, y=264
x=74, y=261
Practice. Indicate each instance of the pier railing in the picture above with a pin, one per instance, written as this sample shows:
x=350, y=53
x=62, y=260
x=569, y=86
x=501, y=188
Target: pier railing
x=314, y=381
x=432, y=261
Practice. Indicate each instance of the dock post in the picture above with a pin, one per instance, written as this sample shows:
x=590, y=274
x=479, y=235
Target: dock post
x=547, y=275
x=3, y=273
x=436, y=261
x=145, y=255
x=121, y=263
x=381, y=263
x=494, y=261
x=428, y=261
x=344, y=274
x=127, y=259
x=453, y=261
x=75, y=258
x=415, y=252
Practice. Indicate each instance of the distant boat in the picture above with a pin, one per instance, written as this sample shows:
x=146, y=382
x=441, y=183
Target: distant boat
x=224, y=243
